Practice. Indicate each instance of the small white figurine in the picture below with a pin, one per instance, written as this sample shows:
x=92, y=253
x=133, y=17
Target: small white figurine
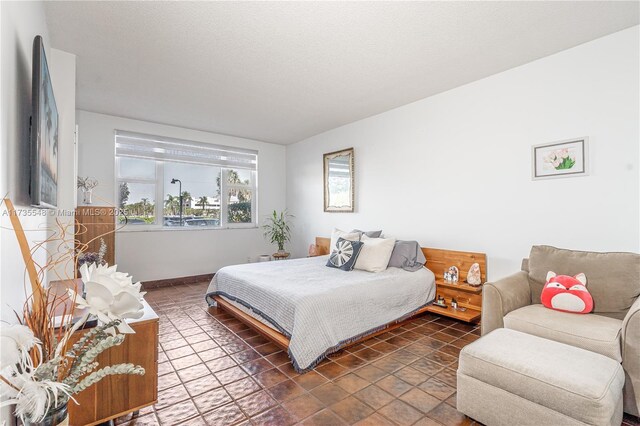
x=454, y=273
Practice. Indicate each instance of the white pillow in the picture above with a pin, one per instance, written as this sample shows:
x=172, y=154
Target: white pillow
x=351, y=236
x=375, y=254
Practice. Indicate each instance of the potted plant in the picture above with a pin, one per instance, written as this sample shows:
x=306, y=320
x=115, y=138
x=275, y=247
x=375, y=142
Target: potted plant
x=87, y=185
x=277, y=229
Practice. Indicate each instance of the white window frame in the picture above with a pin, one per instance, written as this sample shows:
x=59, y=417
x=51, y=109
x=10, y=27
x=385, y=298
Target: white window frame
x=225, y=186
x=160, y=191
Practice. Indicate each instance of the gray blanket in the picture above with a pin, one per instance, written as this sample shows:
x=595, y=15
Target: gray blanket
x=321, y=309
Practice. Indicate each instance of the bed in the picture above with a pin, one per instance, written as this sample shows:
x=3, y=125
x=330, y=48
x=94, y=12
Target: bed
x=312, y=310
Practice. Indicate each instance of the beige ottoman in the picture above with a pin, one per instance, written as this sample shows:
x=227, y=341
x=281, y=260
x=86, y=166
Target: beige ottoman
x=512, y=378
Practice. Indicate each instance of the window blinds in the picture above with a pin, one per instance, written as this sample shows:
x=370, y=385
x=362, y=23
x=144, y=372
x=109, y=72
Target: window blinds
x=138, y=145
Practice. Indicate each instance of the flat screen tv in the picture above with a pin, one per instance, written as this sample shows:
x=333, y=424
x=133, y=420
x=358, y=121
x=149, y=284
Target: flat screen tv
x=44, y=133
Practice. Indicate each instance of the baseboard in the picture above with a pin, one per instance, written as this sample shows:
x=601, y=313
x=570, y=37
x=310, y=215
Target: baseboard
x=193, y=279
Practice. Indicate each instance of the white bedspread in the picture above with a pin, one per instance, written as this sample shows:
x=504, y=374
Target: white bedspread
x=321, y=309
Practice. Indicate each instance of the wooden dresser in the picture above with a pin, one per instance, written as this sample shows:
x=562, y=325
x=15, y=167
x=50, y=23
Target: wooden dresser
x=93, y=223
x=115, y=396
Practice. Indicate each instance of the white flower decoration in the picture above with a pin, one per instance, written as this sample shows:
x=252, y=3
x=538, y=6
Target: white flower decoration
x=34, y=397
x=37, y=397
x=16, y=341
x=110, y=295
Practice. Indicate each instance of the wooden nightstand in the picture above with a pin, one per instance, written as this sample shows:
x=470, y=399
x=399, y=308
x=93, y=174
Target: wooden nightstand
x=468, y=297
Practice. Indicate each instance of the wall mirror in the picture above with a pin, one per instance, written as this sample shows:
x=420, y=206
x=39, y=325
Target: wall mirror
x=338, y=181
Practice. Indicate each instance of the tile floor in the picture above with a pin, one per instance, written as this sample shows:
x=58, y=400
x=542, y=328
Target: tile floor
x=213, y=370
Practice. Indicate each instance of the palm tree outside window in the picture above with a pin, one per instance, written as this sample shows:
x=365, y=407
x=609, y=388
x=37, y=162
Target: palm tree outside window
x=218, y=184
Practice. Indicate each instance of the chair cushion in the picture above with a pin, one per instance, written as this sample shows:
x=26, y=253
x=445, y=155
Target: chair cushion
x=579, y=384
x=612, y=277
x=592, y=332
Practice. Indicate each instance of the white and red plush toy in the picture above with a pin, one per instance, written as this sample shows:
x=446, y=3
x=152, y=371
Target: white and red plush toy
x=567, y=294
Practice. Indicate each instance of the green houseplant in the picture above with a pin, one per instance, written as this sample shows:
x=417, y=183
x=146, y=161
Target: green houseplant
x=277, y=229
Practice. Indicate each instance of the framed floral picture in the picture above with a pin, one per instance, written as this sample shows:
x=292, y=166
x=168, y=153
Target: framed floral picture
x=560, y=159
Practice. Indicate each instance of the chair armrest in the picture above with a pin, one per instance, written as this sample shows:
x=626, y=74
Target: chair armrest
x=631, y=357
x=501, y=297
x=631, y=329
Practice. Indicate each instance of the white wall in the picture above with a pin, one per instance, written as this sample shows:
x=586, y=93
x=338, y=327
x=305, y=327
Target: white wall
x=472, y=146
x=152, y=255
x=62, y=66
x=21, y=22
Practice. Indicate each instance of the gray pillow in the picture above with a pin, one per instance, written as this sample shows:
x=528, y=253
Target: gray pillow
x=345, y=254
x=370, y=234
x=407, y=255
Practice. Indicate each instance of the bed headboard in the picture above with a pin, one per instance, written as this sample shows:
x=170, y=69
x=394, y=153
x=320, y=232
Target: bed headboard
x=437, y=259
x=323, y=245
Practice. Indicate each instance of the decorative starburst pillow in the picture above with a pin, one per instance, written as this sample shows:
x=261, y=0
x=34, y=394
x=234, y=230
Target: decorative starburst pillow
x=344, y=254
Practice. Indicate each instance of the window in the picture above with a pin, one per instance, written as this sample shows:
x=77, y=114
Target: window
x=167, y=183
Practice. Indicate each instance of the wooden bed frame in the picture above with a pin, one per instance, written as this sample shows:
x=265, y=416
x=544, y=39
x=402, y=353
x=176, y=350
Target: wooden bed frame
x=437, y=259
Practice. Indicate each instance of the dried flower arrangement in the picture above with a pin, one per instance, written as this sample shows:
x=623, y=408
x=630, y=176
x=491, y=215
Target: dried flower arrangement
x=39, y=370
x=90, y=257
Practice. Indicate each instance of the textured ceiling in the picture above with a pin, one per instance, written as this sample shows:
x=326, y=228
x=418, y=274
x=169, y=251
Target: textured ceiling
x=281, y=72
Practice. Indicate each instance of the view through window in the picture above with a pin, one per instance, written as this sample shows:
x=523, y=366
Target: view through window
x=168, y=183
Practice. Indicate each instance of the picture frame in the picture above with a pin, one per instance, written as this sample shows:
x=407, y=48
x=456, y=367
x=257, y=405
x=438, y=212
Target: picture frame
x=565, y=158
x=43, y=187
x=338, y=181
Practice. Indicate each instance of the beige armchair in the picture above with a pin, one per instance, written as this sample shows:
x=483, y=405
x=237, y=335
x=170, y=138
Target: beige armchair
x=612, y=329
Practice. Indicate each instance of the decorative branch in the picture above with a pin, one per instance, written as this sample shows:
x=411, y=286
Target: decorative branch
x=86, y=183
x=111, y=370
x=9, y=383
x=36, y=286
x=86, y=358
